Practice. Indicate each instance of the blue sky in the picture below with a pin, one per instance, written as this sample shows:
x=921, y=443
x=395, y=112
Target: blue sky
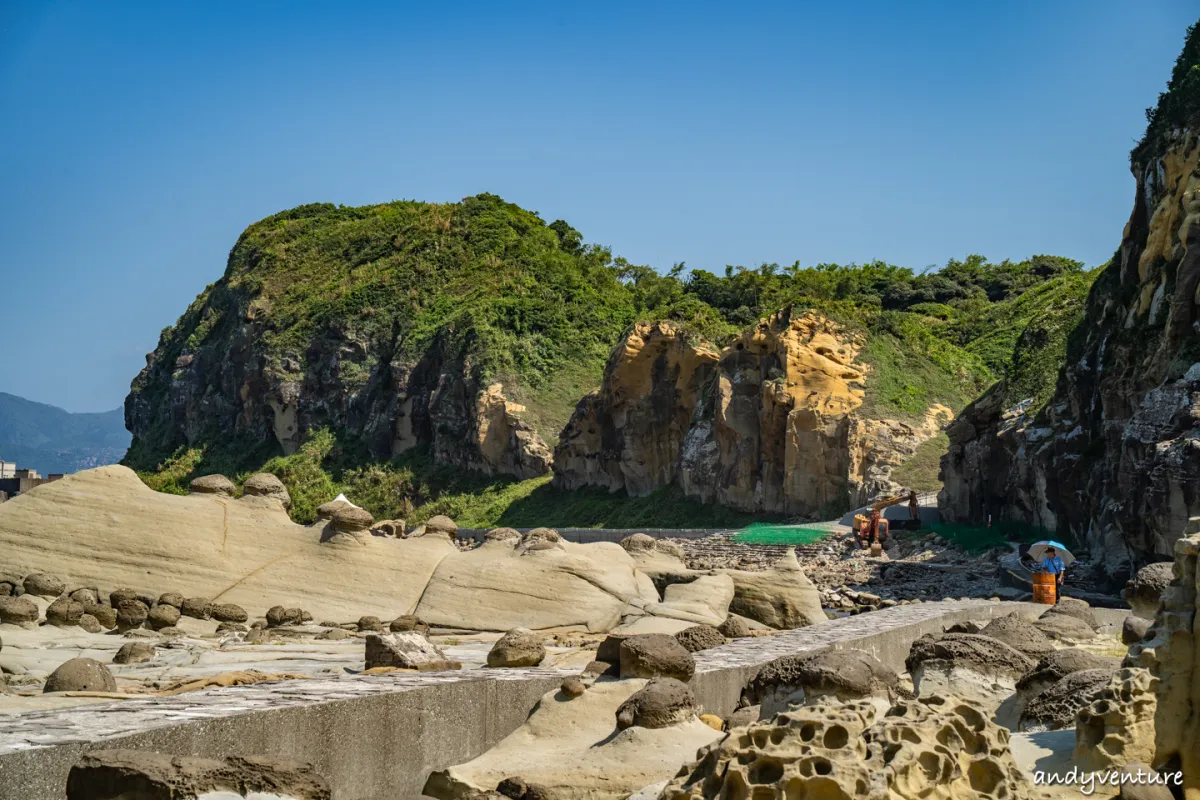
x=138, y=140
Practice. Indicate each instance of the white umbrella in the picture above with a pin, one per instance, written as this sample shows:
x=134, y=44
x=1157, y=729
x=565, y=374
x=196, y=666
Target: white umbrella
x=1038, y=551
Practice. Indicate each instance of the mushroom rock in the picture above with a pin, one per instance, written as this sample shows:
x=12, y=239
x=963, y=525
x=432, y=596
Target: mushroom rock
x=805, y=679
x=1019, y=634
x=977, y=668
x=1145, y=589
x=264, y=484
x=212, y=484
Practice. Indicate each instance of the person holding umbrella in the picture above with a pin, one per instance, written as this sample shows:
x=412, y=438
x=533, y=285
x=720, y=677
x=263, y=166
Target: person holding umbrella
x=1046, y=555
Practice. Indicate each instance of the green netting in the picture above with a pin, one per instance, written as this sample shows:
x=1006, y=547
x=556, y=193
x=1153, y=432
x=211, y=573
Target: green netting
x=976, y=539
x=768, y=533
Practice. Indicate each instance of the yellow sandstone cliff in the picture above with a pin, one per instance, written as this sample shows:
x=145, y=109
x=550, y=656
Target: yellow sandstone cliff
x=771, y=423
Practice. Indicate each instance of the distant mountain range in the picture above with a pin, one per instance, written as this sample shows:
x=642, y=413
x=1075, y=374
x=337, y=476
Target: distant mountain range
x=48, y=439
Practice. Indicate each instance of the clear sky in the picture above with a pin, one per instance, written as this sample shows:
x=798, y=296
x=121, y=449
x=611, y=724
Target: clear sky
x=138, y=140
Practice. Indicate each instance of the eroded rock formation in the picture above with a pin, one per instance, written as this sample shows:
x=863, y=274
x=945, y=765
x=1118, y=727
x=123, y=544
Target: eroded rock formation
x=928, y=748
x=104, y=527
x=1150, y=712
x=772, y=423
x=628, y=434
x=575, y=746
x=1114, y=457
x=114, y=774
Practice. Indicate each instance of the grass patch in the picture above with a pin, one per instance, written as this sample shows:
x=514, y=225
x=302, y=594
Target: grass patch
x=549, y=407
x=1024, y=341
x=911, y=369
x=920, y=471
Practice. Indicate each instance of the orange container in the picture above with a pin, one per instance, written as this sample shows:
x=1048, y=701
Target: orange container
x=1045, y=588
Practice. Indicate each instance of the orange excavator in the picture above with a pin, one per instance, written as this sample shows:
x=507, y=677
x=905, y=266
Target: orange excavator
x=871, y=530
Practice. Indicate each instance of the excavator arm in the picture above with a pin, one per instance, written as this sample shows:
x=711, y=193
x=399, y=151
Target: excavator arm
x=884, y=502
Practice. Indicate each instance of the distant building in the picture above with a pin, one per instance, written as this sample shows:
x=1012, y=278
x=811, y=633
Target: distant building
x=15, y=481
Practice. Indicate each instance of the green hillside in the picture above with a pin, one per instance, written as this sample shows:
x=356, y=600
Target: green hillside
x=337, y=297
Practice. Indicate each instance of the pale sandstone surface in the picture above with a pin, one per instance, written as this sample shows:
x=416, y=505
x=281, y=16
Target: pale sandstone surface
x=572, y=747
x=105, y=528
x=781, y=597
x=500, y=586
x=705, y=600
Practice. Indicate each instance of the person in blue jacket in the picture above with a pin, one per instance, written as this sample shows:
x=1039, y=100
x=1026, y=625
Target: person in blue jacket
x=1054, y=565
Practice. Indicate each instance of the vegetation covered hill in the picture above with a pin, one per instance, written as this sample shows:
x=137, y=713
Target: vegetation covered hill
x=332, y=324
x=49, y=439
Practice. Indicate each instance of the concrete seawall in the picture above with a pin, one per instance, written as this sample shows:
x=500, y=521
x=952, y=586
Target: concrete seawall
x=378, y=737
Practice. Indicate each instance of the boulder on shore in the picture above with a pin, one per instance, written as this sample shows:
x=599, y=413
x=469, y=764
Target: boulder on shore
x=63, y=612
x=408, y=650
x=18, y=610
x=42, y=585
x=655, y=655
x=658, y=704
x=80, y=675
x=520, y=647
x=213, y=484
x=134, y=653
x=700, y=637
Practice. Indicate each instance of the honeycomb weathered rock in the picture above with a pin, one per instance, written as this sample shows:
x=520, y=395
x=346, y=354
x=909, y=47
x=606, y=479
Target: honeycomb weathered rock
x=931, y=748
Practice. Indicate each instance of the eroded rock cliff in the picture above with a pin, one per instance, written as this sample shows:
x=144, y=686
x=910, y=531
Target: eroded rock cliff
x=1114, y=458
x=771, y=423
x=628, y=434
x=394, y=326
